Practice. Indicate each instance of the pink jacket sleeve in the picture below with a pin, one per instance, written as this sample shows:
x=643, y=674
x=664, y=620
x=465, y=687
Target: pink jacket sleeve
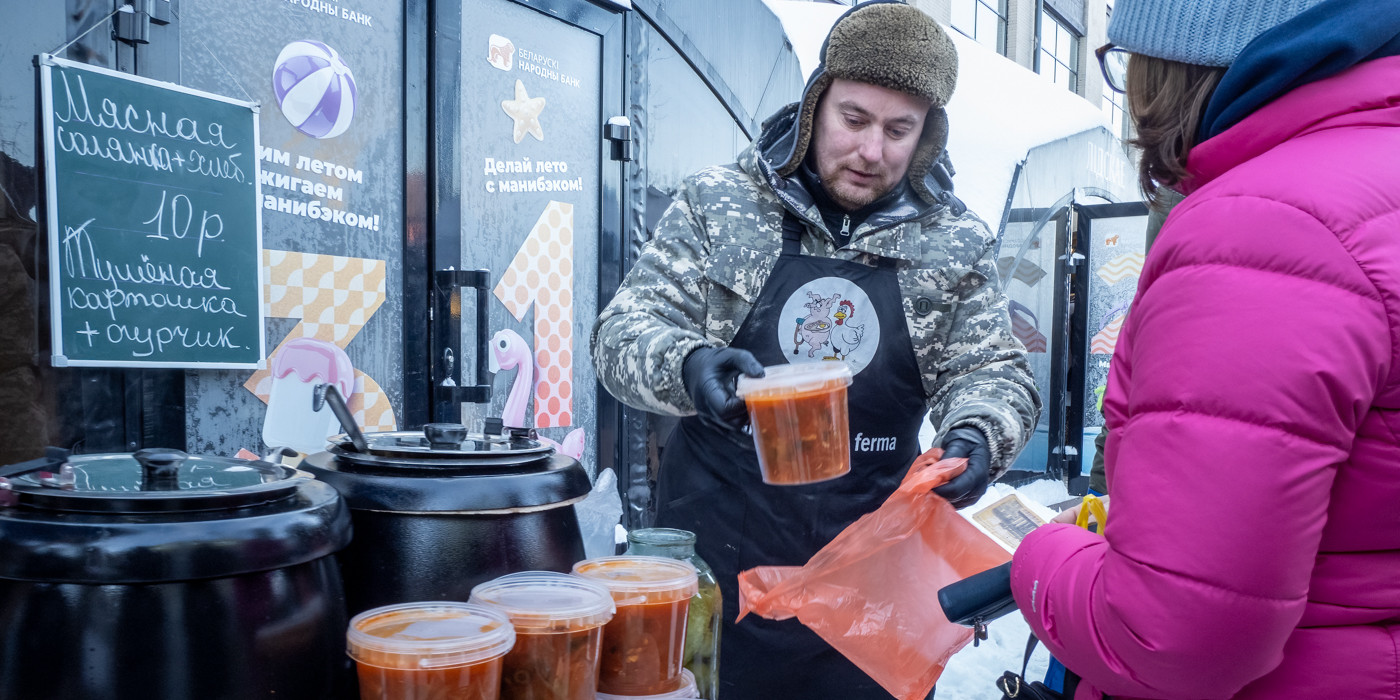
x=1251, y=354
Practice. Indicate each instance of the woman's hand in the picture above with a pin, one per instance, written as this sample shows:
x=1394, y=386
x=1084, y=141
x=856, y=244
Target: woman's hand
x=1071, y=515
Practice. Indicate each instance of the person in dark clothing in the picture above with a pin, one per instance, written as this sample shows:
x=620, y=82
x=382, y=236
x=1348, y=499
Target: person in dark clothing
x=843, y=203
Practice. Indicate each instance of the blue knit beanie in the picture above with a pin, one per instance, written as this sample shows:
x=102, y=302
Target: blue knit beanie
x=1203, y=32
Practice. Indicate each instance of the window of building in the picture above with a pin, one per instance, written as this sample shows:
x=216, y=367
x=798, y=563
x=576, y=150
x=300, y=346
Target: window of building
x=982, y=20
x=1059, y=51
x=1114, y=103
x=1113, y=106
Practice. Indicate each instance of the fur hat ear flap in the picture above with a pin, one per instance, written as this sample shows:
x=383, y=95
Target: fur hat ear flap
x=806, y=118
x=932, y=143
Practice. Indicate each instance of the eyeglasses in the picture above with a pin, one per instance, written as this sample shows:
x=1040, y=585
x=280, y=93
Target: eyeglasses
x=1113, y=61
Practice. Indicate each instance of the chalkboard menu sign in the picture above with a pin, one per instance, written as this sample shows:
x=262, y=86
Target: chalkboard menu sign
x=154, y=222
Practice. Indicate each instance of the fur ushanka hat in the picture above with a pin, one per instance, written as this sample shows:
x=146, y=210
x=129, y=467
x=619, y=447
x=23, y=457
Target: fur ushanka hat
x=895, y=46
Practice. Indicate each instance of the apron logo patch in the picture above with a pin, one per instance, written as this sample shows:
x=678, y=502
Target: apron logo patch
x=829, y=318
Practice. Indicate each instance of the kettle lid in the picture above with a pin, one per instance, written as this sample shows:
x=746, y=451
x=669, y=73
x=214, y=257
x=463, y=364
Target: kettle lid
x=148, y=480
x=449, y=442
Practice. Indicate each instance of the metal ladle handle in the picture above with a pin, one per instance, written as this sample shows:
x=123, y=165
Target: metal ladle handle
x=327, y=393
x=53, y=459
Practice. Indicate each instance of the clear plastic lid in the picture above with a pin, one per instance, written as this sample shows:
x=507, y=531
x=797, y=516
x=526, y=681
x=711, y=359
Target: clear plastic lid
x=782, y=381
x=546, y=601
x=636, y=579
x=429, y=635
x=688, y=689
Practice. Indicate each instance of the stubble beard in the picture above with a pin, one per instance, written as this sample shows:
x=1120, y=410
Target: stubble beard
x=850, y=197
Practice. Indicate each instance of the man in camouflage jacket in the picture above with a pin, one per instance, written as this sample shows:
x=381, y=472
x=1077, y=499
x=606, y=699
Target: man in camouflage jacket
x=695, y=282
x=706, y=299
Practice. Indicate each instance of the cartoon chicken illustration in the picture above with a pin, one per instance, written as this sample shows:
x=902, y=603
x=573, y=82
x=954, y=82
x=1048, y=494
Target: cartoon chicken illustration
x=848, y=336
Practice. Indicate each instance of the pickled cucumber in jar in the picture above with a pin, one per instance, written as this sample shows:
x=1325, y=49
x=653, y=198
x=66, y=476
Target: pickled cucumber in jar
x=702, y=637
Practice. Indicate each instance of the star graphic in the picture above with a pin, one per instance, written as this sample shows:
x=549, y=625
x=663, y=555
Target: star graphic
x=525, y=110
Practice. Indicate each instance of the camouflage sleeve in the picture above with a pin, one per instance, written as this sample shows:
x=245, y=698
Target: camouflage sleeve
x=984, y=379
x=643, y=336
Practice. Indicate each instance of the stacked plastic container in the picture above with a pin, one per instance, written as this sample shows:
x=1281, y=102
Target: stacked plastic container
x=558, y=622
x=614, y=629
x=687, y=690
x=430, y=650
x=644, y=643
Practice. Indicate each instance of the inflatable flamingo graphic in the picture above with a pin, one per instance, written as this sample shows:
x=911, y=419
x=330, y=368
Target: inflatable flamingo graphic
x=510, y=351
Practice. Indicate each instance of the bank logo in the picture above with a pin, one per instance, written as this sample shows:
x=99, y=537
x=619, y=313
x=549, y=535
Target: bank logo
x=500, y=52
x=315, y=89
x=829, y=318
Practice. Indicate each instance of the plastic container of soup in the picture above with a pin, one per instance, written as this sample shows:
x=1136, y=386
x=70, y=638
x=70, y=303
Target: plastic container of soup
x=688, y=689
x=644, y=644
x=798, y=414
x=558, y=622
x=430, y=650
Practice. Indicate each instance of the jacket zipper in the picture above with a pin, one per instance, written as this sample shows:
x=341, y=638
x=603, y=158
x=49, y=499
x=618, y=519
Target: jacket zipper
x=795, y=208
x=846, y=228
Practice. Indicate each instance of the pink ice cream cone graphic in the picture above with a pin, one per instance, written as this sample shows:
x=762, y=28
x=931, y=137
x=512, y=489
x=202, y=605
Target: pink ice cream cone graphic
x=293, y=419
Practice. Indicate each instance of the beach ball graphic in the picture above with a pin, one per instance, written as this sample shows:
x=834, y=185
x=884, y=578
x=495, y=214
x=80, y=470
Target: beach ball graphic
x=315, y=89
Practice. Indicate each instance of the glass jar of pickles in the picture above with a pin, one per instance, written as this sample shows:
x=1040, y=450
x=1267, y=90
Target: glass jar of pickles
x=703, y=620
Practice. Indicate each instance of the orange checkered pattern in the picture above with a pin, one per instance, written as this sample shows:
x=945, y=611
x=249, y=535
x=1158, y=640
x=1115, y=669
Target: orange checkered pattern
x=334, y=297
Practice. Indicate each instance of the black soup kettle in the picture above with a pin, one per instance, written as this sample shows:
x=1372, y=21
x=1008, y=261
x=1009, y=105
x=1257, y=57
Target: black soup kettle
x=438, y=511
x=164, y=576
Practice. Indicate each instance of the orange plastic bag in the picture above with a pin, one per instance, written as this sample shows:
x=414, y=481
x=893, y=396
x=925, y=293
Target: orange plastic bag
x=872, y=593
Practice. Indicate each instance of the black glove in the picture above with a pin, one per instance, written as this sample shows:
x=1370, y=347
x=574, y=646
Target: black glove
x=967, y=487
x=710, y=375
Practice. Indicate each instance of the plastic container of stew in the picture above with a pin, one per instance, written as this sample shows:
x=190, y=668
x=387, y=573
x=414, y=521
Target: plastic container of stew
x=798, y=414
x=430, y=650
x=558, y=622
x=688, y=689
x=644, y=644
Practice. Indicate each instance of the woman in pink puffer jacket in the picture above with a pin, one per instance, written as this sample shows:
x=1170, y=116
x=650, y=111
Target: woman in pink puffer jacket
x=1253, y=544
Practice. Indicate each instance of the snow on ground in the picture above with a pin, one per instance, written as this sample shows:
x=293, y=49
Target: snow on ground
x=972, y=672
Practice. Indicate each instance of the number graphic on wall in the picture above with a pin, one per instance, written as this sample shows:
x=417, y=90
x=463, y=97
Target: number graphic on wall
x=334, y=297
x=542, y=275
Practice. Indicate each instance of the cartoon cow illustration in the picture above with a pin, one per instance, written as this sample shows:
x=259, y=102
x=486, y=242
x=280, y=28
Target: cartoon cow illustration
x=815, y=329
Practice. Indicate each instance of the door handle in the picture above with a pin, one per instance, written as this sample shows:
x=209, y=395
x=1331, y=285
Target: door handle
x=448, y=393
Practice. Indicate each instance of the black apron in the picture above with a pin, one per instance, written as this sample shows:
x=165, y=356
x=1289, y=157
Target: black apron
x=811, y=309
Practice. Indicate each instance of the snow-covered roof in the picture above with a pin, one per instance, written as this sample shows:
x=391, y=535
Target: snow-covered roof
x=998, y=112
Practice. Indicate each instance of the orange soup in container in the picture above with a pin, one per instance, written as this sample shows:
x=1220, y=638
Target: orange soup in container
x=558, y=621
x=414, y=651
x=798, y=414
x=644, y=644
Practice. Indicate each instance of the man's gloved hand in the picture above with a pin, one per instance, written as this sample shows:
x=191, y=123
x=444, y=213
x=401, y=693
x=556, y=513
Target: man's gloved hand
x=710, y=375
x=967, y=487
